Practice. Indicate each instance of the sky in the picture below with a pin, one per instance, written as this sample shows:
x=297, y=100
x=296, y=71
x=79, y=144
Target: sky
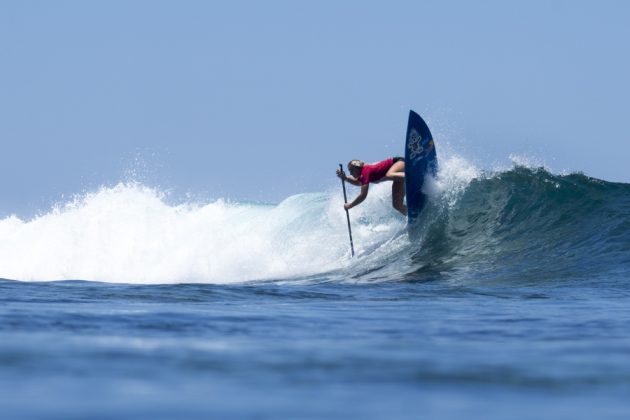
x=257, y=101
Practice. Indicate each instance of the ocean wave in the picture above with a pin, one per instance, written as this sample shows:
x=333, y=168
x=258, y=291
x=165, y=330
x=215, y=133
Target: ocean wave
x=524, y=224
x=528, y=225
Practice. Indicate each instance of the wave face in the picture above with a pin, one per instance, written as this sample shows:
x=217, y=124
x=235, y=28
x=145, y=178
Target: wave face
x=530, y=226
x=523, y=225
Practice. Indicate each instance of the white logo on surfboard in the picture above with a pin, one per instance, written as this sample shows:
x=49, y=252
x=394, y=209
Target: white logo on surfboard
x=415, y=145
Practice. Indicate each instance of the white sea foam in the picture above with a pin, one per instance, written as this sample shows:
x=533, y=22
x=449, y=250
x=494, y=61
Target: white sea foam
x=528, y=161
x=454, y=176
x=131, y=233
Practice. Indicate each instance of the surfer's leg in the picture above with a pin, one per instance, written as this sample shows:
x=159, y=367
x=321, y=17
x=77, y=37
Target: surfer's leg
x=398, y=195
x=396, y=172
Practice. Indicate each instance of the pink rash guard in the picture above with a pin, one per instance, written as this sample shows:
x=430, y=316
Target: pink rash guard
x=374, y=172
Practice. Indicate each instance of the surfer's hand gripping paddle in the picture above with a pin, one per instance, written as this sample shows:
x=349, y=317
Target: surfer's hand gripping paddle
x=345, y=200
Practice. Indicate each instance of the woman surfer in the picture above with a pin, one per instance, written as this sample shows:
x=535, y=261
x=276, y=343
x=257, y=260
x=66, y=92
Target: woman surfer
x=362, y=174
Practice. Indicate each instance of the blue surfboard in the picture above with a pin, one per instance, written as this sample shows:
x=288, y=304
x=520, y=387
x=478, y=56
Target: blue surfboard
x=420, y=162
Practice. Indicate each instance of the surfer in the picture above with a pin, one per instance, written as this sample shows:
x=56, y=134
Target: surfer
x=362, y=174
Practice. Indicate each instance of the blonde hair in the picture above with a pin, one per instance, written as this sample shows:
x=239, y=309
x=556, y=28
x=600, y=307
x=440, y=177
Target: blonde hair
x=356, y=163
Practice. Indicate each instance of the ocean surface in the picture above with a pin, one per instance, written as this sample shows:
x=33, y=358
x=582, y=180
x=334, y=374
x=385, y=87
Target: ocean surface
x=510, y=300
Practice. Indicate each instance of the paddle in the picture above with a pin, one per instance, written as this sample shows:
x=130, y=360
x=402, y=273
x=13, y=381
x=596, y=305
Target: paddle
x=345, y=200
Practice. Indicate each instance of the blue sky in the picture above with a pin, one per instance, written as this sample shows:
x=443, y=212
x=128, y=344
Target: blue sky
x=261, y=100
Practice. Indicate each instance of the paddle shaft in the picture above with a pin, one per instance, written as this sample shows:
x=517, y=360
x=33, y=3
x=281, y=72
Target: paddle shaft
x=345, y=200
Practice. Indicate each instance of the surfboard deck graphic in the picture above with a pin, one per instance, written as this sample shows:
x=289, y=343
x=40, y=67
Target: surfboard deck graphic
x=420, y=161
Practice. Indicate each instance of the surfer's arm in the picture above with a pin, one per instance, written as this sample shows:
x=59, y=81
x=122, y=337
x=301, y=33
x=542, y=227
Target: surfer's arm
x=350, y=179
x=362, y=194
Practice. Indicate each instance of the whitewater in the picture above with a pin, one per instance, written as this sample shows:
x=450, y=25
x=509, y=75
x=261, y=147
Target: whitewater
x=132, y=233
